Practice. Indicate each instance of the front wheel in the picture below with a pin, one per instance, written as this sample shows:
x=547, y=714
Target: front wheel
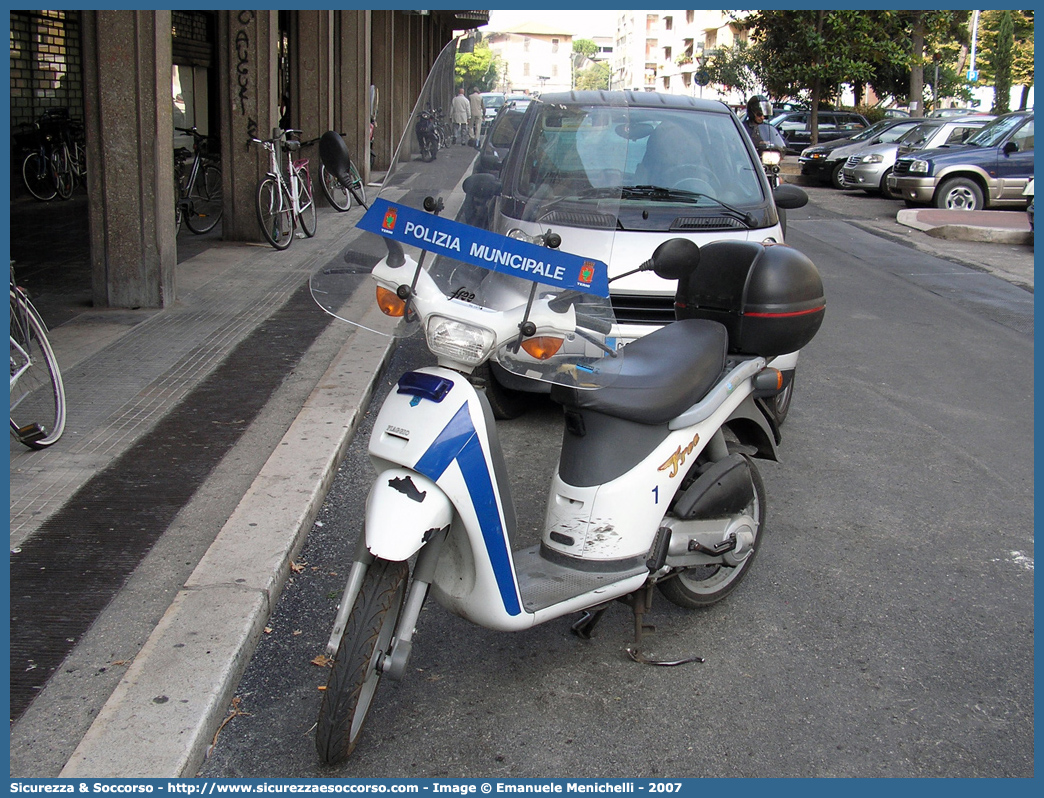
x=357, y=668
x=959, y=194
x=306, y=216
x=39, y=177
x=704, y=585
x=275, y=213
x=837, y=175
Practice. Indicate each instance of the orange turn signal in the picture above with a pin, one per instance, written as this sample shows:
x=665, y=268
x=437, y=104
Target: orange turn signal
x=542, y=347
x=389, y=302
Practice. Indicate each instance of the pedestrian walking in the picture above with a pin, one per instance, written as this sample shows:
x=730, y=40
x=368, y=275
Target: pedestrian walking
x=476, y=114
x=460, y=112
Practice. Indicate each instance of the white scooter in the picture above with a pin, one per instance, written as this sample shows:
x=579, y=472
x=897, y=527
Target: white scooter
x=656, y=485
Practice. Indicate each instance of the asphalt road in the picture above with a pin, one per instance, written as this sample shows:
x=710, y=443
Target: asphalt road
x=885, y=630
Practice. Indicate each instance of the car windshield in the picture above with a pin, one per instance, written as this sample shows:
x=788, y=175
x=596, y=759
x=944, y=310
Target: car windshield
x=919, y=135
x=896, y=133
x=995, y=132
x=873, y=130
x=492, y=100
x=588, y=150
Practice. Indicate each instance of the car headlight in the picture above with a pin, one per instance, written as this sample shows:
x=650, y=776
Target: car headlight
x=459, y=341
x=919, y=167
x=814, y=154
x=875, y=158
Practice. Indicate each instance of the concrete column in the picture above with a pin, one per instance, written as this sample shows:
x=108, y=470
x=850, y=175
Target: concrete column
x=127, y=73
x=312, y=81
x=247, y=89
x=352, y=80
x=404, y=94
x=384, y=65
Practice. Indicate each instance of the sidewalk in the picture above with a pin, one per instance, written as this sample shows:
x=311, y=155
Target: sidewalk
x=149, y=545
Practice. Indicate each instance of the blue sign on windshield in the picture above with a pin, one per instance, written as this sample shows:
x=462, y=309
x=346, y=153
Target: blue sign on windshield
x=492, y=251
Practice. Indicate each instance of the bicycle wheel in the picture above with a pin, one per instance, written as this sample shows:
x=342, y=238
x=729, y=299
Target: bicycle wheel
x=64, y=179
x=38, y=174
x=37, y=392
x=356, y=184
x=306, y=217
x=205, y=200
x=336, y=194
x=178, y=215
x=275, y=213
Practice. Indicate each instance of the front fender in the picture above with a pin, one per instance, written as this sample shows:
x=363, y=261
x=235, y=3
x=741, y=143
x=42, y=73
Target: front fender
x=403, y=510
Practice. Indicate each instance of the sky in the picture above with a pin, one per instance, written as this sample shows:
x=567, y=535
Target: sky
x=586, y=22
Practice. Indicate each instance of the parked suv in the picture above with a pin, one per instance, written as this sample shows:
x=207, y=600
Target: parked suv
x=870, y=166
x=990, y=170
x=796, y=127
x=826, y=160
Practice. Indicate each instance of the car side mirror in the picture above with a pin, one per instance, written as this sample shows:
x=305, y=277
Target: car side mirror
x=789, y=196
x=1010, y=147
x=489, y=162
x=482, y=186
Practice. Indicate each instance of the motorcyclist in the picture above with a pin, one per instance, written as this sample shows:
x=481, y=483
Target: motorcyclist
x=758, y=110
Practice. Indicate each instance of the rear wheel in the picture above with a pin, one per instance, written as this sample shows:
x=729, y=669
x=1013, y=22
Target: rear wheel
x=704, y=585
x=356, y=185
x=336, y=194
x=357, y=669
x=275, y=213
x=37, y=391
x=959, y=194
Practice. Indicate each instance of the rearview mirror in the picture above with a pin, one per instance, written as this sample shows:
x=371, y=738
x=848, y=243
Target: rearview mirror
x=675, y=258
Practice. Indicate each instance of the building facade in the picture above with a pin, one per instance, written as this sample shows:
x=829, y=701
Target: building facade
x=132, y=76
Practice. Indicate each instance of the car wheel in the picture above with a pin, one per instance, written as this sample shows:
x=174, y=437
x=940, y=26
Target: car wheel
x=959, y=194
x=837, y=177
x=885, y=190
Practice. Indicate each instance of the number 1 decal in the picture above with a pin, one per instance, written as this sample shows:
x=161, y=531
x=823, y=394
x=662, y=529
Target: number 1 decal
x=656, y=494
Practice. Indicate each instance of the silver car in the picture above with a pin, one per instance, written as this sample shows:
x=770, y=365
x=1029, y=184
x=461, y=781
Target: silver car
x=869, y=167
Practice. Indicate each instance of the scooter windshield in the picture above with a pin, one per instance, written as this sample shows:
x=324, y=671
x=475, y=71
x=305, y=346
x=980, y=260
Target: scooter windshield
x=450, y=263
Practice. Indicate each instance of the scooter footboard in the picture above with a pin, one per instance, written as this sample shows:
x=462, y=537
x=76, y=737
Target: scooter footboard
x=403, y=510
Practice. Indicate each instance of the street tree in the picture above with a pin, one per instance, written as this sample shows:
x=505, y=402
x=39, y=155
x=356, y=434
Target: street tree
x=479, y=68
x=733, y=68
x=1001, y=62
x=594, y=77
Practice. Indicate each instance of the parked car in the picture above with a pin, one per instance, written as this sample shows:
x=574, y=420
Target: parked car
x=895, y=113
x=491, y=102
x=795, y=126
x=990, y=170
x=1028, y=192
x=870, y=166
x=500, y=136
x=942, y=113
x=650, y=167
x=826, y=160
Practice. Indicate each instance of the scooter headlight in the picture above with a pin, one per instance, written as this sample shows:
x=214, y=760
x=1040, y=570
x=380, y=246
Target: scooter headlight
x=460, y=342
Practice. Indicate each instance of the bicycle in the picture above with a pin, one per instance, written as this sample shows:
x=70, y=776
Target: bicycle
x=58, y=162
x=198, y=197
x=285, y=202
x=340, y=196
x=37, y=390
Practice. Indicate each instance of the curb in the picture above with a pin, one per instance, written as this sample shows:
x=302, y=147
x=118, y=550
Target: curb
x=964, y=232
x=161, y=719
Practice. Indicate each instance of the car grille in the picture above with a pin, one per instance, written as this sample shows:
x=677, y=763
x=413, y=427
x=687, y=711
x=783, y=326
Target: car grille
x=642, y=308
x=853, y=162
x=706, y=223
x=901, y=167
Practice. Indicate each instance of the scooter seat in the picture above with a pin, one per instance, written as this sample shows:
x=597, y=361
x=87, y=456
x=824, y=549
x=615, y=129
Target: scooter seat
x=661, y=375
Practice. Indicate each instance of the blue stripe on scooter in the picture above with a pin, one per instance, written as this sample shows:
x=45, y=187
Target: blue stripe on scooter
x=459, y=441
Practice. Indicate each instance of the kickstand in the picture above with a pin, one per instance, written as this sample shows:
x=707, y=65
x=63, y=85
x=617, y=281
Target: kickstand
x=641, y=603
x=585, y=626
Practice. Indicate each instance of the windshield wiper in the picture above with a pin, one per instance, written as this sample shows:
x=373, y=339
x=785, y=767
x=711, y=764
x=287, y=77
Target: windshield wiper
x=660, y=193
